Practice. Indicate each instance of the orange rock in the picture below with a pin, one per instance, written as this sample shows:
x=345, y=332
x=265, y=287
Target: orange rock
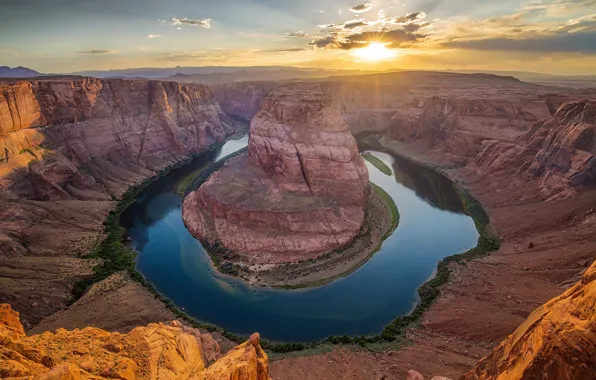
x=557, y=341
x=156, y=351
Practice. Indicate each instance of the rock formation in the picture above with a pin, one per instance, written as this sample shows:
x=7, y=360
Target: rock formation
x=299, y=192
x=157, y=351
x=560, y=152
x=68, y=146
x=113, y=132
x=557, y=341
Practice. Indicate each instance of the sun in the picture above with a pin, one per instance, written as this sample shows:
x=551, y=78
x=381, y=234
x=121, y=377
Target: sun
x=375, y=51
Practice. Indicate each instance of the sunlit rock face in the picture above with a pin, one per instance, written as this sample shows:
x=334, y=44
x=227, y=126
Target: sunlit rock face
x=300, y=190
x=157, y=351
x=557, y=341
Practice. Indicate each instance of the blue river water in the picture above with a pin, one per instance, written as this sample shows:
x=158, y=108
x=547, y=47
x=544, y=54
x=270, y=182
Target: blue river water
x=432, y=226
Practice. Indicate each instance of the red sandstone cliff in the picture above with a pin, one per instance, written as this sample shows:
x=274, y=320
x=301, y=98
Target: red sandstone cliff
x=67, y=147
x=118, y=131
x=299, y=192
x=157, y=351
x=559, y=152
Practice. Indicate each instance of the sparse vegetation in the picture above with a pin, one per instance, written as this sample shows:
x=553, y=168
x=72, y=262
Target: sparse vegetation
x=378, y=163
x=392, y=208
x=30, y=151
x=118, y=257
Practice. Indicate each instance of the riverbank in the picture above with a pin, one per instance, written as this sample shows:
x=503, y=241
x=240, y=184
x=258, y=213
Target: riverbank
x=381, y=219
x=543, y=251
x=392, y=336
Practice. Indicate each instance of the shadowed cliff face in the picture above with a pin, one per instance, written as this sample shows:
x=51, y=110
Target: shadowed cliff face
x=157, y=351
x=100, y=135
x=299, y=192
x=68, y=147
x=559, y=151
x=447, y=114
x=557, y=341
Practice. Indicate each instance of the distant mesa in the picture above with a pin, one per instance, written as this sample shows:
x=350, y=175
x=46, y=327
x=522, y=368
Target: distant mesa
x=18, y=72
x=299, y=192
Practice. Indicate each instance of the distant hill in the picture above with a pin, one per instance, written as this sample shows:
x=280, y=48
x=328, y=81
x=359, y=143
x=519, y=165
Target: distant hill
x=576, y=81
x=261, y=75
x=277, y=72
x=17, y=72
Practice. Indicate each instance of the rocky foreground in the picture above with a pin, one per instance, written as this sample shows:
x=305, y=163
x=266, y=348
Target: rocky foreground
x=298, y=193
x=157, y=351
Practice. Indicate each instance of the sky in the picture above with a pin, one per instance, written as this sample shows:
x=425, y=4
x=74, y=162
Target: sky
x=62, y=36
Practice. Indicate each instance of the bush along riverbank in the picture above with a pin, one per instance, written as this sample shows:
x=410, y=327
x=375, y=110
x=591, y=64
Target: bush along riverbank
x=114, y=255
x=378, y=163
x=117, y=257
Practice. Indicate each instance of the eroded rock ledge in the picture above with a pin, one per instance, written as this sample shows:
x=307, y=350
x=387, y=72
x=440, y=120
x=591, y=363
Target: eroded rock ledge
x=299, y=192
x=156, y=351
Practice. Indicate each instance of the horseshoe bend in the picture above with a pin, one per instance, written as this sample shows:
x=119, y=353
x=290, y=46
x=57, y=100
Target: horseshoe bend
x=298, y=192
x=105, y=183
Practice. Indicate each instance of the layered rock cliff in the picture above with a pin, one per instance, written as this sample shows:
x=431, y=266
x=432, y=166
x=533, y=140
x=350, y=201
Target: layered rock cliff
x=68, y=147
x=557, y=341
x=559, y=152
x=299, y=192
x=99, y=135
x=157, y=351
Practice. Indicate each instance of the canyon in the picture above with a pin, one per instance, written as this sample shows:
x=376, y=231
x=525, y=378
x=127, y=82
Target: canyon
x=69, y=146
x=297, y=193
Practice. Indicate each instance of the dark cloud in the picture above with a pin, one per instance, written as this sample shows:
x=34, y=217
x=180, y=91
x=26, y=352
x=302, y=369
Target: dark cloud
x=579, y=42
x=354, y=24
x=329, y=41
x=203, y=23
x=408, y=18
x=391, y=38
x=95, y=51
x=289, y=50
x=361, y=8
x=359, y=32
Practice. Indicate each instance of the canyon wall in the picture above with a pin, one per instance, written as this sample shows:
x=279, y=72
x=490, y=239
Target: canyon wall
x=559, y=151
x=68, y=147
x=97, y=136
x=557, y=341
x=461, y=120
x=299, y=192
x=157, y=351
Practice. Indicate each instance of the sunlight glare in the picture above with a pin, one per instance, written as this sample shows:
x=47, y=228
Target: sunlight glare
x=376, y=51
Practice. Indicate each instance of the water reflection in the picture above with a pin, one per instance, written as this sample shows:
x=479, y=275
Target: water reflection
x=431, y=227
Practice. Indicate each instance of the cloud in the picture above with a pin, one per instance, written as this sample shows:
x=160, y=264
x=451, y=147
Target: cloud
x=559, y=8
x=95, y=51
x=297, y=34
x=203, y=23
x=521, y=32
x=393, y=32
x=153, y=36
x=184, y=56
x=361, y=8
x=288, y=50
x=560, y=42
x=411, y=17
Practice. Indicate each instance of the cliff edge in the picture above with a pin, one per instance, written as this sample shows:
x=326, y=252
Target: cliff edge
x=157, y=351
